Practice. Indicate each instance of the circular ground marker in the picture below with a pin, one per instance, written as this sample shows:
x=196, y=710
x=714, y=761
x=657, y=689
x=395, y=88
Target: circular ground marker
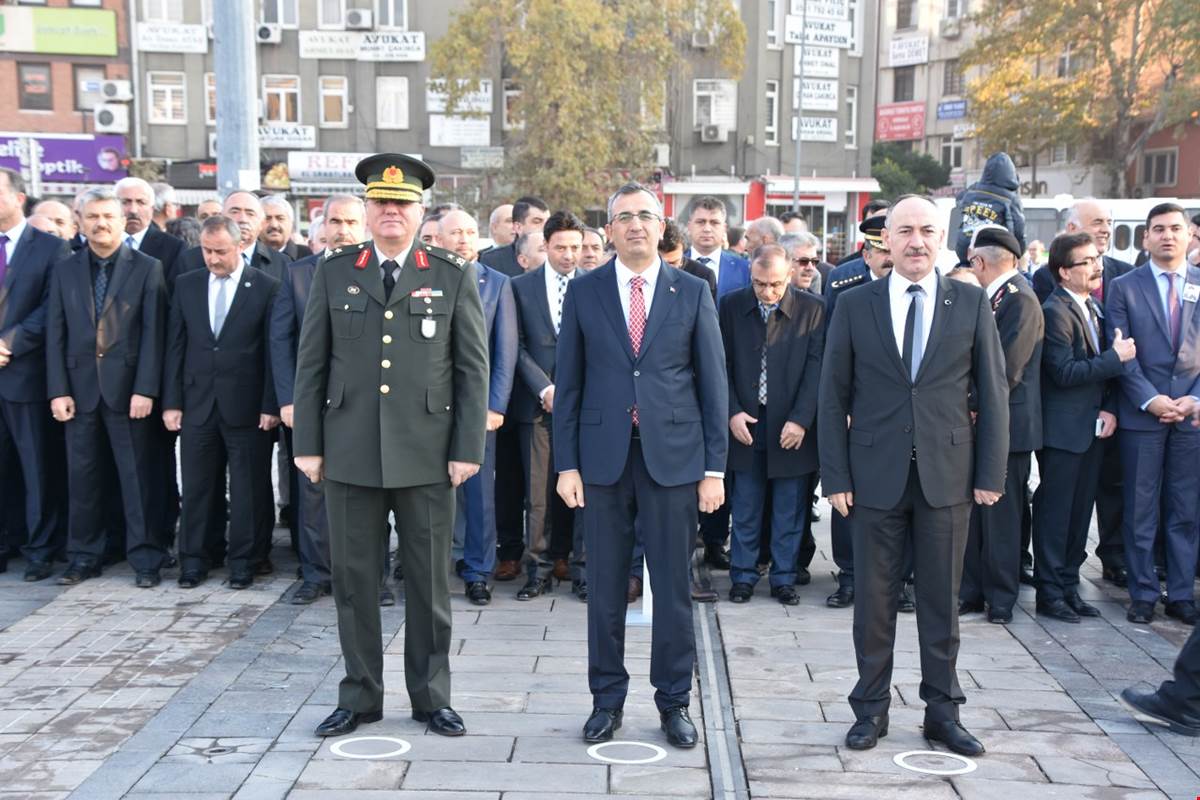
x=658, y=753
x=901, y=760
x=338, y=748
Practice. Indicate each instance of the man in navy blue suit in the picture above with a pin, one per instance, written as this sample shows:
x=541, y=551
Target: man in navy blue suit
x=640, y=433
x=1158, y=411
x=475, y=520
x=26, y=256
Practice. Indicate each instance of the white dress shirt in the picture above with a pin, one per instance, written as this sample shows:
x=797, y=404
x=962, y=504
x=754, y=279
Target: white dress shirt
x=137, y=238
x=625, y=274
x=995, y=285
x=900, y=300
x=713, y=263
x=400, y=259
x=214, y=286
x=14, y=236
x=551, y=277
x=1081, y=300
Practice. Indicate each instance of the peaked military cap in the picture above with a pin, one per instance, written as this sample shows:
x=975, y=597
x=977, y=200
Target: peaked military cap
x=391, y=176
x=872, y=230
x=996, y=236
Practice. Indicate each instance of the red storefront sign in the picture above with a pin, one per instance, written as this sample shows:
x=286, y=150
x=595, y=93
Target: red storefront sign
x=898, y=122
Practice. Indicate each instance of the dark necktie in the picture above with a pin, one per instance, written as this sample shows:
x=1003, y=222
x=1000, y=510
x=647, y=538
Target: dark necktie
x=101, y=287
x=3, y=256
x=389, y=278
x=1094, y=319
x=1176, y=315
x=762, y=370
x=914, y=324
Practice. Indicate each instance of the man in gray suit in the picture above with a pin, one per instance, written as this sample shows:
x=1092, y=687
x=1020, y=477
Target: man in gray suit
x=900, y=357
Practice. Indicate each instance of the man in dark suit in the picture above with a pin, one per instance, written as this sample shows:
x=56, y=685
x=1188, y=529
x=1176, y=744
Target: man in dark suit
x=279, y=223
x=104, y=335
x=900, y=357
x=1078, y=380
x=528, y=214
x=1158, y=403
x=218, y=391
x=26, y=256
x=342, y=215
x=671, y=248
x=475, y=520
x=391, y=410
x=992, y=566
x=640, y=431
x=774, y=335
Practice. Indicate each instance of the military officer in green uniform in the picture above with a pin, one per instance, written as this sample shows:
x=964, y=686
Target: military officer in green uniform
x=390, y=411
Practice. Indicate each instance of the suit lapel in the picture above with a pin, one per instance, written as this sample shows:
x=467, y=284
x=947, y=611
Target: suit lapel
x=121, y=269
x=610, y=302
x=1064, y=297
x=19, y=249
x=664, y=300
x=369, y=278
x=543, y=299
x=882, y=306
x=240, y=297
x=1150, y=292
x=943, y=301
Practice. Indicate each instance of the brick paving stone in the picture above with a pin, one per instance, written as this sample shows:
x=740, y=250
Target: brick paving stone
x=643, y=779
x=350, y=775
x=467, y=776
x=970, y=788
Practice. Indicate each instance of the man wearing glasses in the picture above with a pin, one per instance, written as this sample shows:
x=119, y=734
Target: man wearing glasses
x=804, y=261
x=640, y=431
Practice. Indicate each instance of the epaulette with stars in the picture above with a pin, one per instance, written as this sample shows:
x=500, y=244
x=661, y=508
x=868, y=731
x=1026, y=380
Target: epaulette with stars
x=350, y=249
x=445, y=255
x=847, y=282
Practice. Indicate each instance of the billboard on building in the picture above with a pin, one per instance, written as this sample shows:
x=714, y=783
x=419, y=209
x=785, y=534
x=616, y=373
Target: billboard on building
x=899, y=122
x=67, y=158
x=70, y=31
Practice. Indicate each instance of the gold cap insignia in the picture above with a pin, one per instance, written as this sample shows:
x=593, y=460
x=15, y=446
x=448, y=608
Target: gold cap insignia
x=393, y=174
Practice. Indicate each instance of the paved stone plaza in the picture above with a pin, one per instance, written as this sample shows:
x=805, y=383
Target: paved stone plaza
x=108, y=691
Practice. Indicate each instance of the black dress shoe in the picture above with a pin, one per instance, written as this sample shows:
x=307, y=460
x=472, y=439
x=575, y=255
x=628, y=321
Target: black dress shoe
x=147, y=579
x=534, y=587
x=702, y=595
x=803, y=576
x=716, y=557
x=1140, y=612
x=906, y=604
x=1080, y=607
x=601, y=724
x=78, y=573
x=308, y=592
x=171, y=561
x=866, y=733
x=1115, y=574
x=842, y=598
x=580, y=590
x=1057, y=608
x=38, y=571
x=264, y=567
x=240, y=580
x=1164, y=712
x=386, y=598
x=460, y=566
x=741, y=593
x=443, y=722
x=678, y=726
x=954, y=736
x=786, y=595
x=970, y=607
x=190, y=580
x=477, y=592
x=634, y=590
x=1182, y=610
x=999, y=616
x=345, y=721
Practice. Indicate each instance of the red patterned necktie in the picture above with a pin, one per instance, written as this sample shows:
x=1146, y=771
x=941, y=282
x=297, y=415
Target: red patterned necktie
x=637, y=320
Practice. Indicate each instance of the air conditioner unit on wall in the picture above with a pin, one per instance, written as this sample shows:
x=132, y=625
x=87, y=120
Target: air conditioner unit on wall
x=111, y=118
x=268, y=33
x=950, y=28
x=662, y=154
x=714, y=133
x=359, y=19
x=702, y=39
x=116, y=91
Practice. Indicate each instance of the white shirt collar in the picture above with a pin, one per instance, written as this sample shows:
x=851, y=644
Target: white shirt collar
x=995, y=285
x=235, y=276
x=137, y=238
x=399, y=259
x=552, y=274
x=898, y=285
x=650, y=275
x=1160, y=271
x=696, y=255
x=15, y=232
x=249, y=251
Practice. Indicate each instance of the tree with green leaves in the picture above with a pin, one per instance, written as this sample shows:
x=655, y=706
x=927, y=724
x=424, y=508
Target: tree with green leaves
x=1104, y=74
x=593, y=78
x=901, y=171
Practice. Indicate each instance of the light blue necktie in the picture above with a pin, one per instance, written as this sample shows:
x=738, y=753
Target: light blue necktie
x=222, y=306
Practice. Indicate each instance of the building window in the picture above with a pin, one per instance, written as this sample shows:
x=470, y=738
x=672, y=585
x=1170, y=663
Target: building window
x=87, y=87
x=855, y=27
x=331, y=14
x=168, y=98
x=851, y=118
x=953, y=81
x=281, y=95
x=956, y=8
x=904, y=81
x=335, y=91
x=1158, y=167
x=1062, y=154
x=85, y=3
x=1064, y=67
x=391, y=14
x=771, y=130
x=714, y=102
x=391, y=102
x=775, y=24
x=952, y=152
x=162, y=10
x=509, y=117
x=33, y=87
x=210, y=98
x=281, y=12
x=906, y=14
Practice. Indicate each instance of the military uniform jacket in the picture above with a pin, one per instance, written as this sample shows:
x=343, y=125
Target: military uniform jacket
x=1021, y=324
x=389, y=390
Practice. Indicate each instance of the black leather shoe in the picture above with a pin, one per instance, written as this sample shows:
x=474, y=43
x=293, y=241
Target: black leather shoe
x=634, y=590
x=308, y=593
x=477, y=592
x=803, y=576
x=1140, y=612
x=1080, y=607
x=678, y=726
x=1182, y=610
x=999, y=616
x=240, y=580
x=386, y=597
x=38, y=571
x=264, y=567
x=954, y=736
x=842, y=598
x=1058, y=609
x=460, y=566
x=534, y=587
x=1026, y=577
x=906, y=605
x=1116, y=575
x=716, y=557
x=786, y=595
x=345, y=721
x=970, y=607
x=147, y=579
x=866, y=733
x=190, y=580
x=702, y=595
x=1153, y=706
x=601, y=724
x=741, y=593
x=78, y=573
x=580, y=590
x=443, y=722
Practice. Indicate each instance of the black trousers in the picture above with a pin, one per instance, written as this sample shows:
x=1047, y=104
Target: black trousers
x=668, y=517
x=264, y=503
x=164, y=491
x=938, y=537
x=510, y=493
x=94, y=439
x=24, y=434
x=992, y=566
x=1110, y=504
x=1062, y=512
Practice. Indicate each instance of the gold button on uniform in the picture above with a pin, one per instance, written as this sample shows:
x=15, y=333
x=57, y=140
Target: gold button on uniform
x=387, y=338
x=384, y=389
x=428, y=301
x=386, y=364
x=429, y=311
x=388, y=314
